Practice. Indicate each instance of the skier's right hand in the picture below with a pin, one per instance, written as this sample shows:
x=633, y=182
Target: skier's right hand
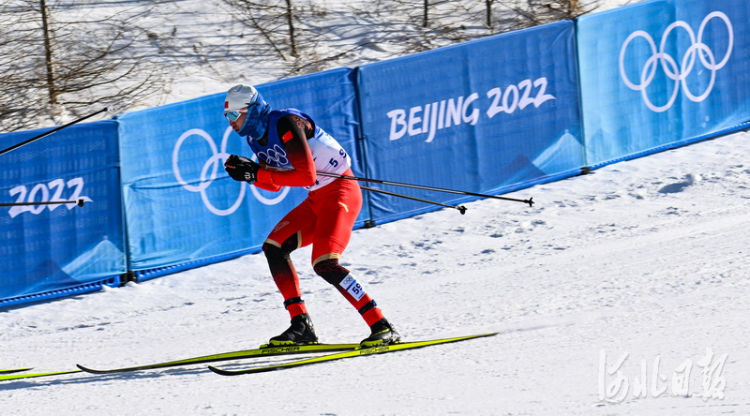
x=241, y=168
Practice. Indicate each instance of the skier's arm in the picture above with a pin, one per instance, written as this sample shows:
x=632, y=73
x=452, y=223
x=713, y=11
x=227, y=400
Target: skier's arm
x=267, y=186
x=294, y=132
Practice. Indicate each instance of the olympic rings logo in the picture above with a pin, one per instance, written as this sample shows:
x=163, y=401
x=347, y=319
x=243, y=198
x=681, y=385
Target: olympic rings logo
x=275, y=156
x=210, y=172
x=670, y=66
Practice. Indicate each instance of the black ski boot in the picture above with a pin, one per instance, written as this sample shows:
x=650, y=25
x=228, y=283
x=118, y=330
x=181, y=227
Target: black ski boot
x=382, y=334
x=301, y=332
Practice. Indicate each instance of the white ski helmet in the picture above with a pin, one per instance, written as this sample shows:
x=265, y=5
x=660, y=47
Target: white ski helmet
x=239, y=98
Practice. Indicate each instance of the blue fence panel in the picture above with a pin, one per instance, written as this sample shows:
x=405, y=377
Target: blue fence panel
x=662, y=71
x=485, y=116
x=181, y=207
x=58, y=249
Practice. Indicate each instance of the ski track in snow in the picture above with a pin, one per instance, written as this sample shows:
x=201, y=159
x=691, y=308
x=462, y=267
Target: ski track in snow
x=645, y=258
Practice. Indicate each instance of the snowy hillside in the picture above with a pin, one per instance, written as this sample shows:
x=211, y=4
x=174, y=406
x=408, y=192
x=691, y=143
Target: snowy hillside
x=206, y=46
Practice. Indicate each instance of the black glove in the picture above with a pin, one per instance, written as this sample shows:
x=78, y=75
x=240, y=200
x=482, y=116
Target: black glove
x=241, y=168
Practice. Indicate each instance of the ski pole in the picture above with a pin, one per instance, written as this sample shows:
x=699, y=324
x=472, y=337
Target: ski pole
x=21, y=204
x=460, y=208
x=25, y=142
x=529, y=201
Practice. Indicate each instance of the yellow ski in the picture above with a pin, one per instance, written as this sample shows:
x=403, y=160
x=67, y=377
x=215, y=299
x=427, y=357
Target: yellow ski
x=347, y=354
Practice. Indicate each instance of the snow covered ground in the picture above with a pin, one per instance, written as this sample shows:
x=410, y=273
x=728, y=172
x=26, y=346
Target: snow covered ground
x=634, y=276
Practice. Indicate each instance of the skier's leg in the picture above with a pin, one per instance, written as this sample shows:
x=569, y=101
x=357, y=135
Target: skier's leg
x=292, y=232
x=339, y=210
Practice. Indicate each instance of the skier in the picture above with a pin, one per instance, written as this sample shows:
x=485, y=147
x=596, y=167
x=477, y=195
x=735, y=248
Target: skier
x=291, y=149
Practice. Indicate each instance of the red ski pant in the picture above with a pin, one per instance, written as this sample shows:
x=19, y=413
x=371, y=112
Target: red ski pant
x=325, y=220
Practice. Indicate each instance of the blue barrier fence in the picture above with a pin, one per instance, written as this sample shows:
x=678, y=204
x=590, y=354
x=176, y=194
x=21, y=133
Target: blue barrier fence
x=491, y=116
x=506, y=119
x=56, y=250
x=661, y=72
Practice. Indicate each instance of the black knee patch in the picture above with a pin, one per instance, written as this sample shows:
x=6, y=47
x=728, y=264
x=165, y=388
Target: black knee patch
x=275, y=254
x=331, y=271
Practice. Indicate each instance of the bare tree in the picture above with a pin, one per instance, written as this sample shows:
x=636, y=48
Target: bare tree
x=290, y=23
x=426, y=11
x=273, y=22
x=60, y=58
x=57, y=64
x=536, y=12
x=414, y=25
x=303, y=33
x=488, y=12
x=506, y=17
x=13, y=67
x=292, y=31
